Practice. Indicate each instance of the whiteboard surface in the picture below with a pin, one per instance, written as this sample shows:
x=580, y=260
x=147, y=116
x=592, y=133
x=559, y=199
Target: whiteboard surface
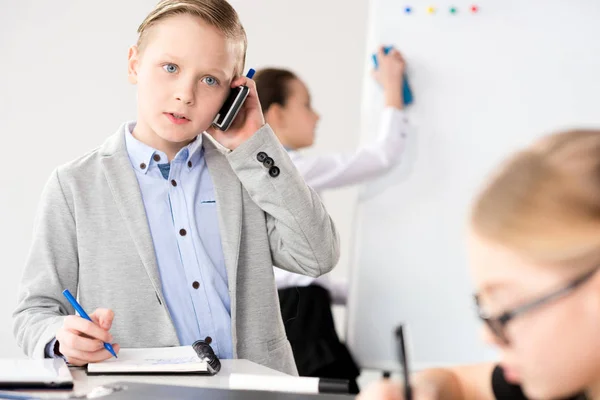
x=485, y=84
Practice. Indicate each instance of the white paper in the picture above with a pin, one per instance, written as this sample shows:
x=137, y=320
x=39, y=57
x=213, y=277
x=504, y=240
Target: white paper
x=162, y=359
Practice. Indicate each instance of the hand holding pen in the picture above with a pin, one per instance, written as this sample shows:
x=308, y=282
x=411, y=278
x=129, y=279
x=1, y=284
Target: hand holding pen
x=85, y=338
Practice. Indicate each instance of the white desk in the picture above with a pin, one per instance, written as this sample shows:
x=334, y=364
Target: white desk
x=84, y=383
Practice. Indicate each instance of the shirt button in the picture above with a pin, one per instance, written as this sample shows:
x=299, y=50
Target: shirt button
x=143, y=166
x=274, y=172
x=174, y=182
x=196, y=285
x=268, y=163
x=208, y=340
x=189, y=164
x=182, y=232
x=261, y=156
x=156, y=157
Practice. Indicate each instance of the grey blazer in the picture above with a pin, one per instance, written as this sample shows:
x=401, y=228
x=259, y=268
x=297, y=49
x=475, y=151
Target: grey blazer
x=91, y=236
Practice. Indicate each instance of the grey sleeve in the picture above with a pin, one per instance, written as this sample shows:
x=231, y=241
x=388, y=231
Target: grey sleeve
x=51, y=267
x=302, y=236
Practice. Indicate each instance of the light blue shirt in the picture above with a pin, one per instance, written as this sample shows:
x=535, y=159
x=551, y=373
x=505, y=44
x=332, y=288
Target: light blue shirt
x=182, y=214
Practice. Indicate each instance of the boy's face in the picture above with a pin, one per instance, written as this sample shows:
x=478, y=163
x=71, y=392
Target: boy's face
x=183, y=72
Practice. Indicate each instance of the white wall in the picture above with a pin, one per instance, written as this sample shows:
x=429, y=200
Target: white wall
x=63, y=90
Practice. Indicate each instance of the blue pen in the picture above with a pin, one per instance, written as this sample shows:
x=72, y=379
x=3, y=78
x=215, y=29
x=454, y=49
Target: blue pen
x=83, y=314
x=250, y=73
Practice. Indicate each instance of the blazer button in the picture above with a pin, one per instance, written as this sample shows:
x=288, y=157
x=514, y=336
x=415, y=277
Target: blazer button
x=261, y=156
x=268, y=163
x=274, y=172
x=196, y=285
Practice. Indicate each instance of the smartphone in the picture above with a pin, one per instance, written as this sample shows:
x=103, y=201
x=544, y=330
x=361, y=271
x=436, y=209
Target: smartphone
x=231, y=107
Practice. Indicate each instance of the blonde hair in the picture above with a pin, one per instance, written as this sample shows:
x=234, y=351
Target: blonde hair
x=545, y=201
x=217, y=13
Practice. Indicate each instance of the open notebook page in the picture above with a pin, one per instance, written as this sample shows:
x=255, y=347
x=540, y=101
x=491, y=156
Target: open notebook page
x=152, y=360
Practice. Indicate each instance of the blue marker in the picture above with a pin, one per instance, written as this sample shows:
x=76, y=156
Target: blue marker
x=250, y=73
x=406, y=91
x=84, y=315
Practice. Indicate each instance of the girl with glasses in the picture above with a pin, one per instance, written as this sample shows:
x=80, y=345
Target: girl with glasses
x=534, y=246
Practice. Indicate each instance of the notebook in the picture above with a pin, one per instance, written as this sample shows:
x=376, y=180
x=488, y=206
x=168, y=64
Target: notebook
x=35, y=374
x=161, y=360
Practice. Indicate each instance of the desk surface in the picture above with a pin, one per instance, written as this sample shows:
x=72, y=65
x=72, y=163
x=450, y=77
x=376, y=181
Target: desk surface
x=84, y=383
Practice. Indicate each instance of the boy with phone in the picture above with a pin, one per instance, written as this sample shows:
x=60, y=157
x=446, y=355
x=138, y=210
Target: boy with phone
x=169, y=233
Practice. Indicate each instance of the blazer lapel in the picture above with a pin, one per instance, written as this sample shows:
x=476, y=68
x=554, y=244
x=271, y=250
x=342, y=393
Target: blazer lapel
x=128, y=198
x=228, y=193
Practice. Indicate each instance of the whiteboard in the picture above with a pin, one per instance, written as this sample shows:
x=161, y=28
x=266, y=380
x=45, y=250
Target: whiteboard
x=485, y=84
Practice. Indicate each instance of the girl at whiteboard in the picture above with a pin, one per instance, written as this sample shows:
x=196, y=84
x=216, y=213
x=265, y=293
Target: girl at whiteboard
x=534, y=244
x=305, y=301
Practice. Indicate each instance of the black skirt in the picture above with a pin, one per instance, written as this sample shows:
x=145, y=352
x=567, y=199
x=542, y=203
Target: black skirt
x=309, y=326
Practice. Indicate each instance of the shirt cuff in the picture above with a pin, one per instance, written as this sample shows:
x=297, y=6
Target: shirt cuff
x=395, y=114
x=50, y=353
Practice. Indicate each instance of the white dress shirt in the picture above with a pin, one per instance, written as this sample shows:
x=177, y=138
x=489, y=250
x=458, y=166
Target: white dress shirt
x=332, y=171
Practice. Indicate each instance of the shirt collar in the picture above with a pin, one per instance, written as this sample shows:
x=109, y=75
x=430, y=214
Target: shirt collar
x=144, y=156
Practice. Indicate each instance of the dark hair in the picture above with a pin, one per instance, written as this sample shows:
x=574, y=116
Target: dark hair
x=272, y=86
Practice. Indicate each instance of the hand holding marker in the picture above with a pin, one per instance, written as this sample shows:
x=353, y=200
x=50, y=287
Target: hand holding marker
x=406, y=90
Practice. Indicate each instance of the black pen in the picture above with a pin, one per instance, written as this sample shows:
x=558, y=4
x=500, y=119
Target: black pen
x=403, y=362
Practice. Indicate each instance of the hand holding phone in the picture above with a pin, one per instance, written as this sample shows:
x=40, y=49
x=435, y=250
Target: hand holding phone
x=233, y=104
x=241, y=115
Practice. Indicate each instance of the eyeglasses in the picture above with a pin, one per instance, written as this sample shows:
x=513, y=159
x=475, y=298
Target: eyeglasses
x=497, y=324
